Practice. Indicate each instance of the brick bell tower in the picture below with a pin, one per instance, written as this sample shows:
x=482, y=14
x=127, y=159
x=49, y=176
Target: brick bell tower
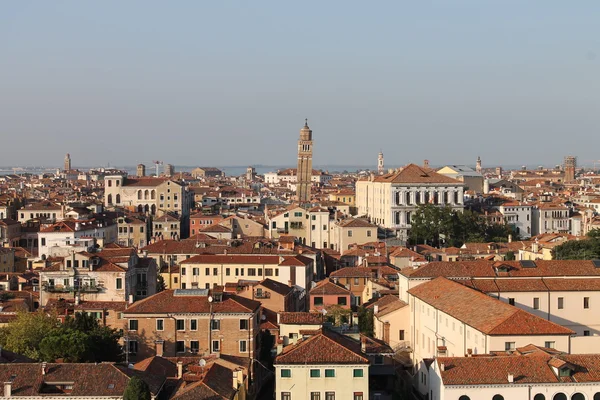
x=304, y=171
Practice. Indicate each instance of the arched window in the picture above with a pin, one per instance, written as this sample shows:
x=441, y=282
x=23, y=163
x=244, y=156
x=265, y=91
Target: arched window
x=139, y=194
x=109, y=199
x=560, y=396
x=153, y=194
x=109, y=183
x=418, y=198
x=146, y=194
x=146, y=208
x=456, y=198
x=118, y=198
x=407, y=198
x=408, y=216
x=117, y=182
x=153, y=209
x=498, y=397
x=427, y=197
x=140, y=208
x=397, y=218
x=445, y=197
x=464, y=397
x=436, y=198
x=577, y=396
x=397, y=198
x=539, y=396
x=596, y=396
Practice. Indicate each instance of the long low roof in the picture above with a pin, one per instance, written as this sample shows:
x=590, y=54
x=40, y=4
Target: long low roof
x=482, y=312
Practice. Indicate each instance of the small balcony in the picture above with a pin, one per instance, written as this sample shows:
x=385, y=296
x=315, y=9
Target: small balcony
x=262, y=294
x=85, y=288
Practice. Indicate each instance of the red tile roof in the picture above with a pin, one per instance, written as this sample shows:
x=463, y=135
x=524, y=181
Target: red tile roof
x=325, y=348
x=480, y=311
x=300, y=318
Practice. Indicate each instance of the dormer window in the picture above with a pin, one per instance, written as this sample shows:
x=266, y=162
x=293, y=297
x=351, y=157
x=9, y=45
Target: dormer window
x=565, y=371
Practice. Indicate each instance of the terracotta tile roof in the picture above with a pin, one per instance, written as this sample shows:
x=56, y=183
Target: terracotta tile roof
x=216, y=228
x=352, y=272
x=388, y=304
x=486, y=268
x=413, y=173
x=530, y=368
x=89, y=380
x=298, y=261
x=326, y=287
x=141, y=182
x=356, y=223
x=300, y=318
x=102, y=305
x=480, y=311
x=232, y=259
x=168, y=301
x=276, y=287
x=325, y=348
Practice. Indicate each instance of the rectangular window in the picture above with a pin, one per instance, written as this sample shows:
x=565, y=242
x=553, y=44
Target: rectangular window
x=549, y=345
x=329, y=395
x=243, y=324
x=268, y=271
x=318, y=301
x=193, y=324
x=315, y=395
x=216, y=345
x=509, y=346
x=180, y=323
x=349, y=233
x=215, y=324
x=195, y=271
x=182, y=271
x=227, y=271
x=356, y=281
x=215, y=271
x=133, y=346
x=207, y=271
x=194, y=346
x=586, y=333
x=342, y=300
x=358, y=396
x=243, y=346
x=315, y=373
x=401, y=334
x=511, y=301
x=330, y=373
x=133, y=324
x=368, y=233
x=536, y=303
x=379, y=358
x=586, y=302
x=119, y=283
x=180, y=346
x=286, y=396
x=357, y=373
x=160, y=324
x=251, y=271
x=286, y=373
x=561, y=303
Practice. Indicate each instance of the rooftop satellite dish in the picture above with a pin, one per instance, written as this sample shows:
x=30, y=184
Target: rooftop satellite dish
x=202, y=362
x=210, y=299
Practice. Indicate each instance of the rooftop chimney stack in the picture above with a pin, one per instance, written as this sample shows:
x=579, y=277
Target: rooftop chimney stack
x=425, y=163
x=179, y=369
x=511, y=378
x=7, y=389
x=44, y=368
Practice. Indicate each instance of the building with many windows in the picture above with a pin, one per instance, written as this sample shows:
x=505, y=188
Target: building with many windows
x=390, y=200
x=184, y=322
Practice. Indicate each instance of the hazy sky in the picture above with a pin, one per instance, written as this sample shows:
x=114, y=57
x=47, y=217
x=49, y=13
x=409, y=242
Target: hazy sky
x=230, y=83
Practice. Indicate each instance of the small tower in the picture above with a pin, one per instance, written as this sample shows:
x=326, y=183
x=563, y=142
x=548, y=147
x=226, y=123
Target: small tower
x=570, y=165
x=478, y=166
x=304, y=171
x=141, y=170
x=169, y=170
x=380, y=167
x=250, y=174
x=68, y=162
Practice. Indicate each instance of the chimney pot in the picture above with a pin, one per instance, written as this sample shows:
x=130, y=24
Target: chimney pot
x=442, y=367
x=7, y=389
x=511, y=378
x=44, y=368
x=179, y=369
x=130, y=299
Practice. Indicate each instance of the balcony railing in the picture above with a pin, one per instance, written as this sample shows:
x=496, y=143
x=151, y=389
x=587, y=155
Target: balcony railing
x=66, y=289
x=262, y=295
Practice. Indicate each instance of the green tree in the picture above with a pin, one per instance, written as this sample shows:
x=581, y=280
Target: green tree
x=510, y=256
x=160, y=283
x=24, y=335
x=587, y=249
x=66, y=344
x=136, y=389
x=594, y=234
x=365, y=320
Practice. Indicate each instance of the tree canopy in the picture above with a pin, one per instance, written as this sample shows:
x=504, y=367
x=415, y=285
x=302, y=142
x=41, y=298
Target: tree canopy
x=42, y=337
x=444, y=227
x=136, y=389
x=587, y=249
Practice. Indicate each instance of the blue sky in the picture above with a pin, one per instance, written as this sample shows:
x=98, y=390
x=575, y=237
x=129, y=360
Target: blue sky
x=230, y=83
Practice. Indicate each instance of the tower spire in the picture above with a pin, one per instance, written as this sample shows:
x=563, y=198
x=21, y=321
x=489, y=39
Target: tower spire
x=304, y=171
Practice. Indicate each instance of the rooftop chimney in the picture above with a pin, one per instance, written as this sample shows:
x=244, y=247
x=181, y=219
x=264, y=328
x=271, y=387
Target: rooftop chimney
x=44, y=368
x=130, y=299
x=511, y=378
x=7, y=389
x=425, y=163
x=375, y=309
x=77, y=299
x=363, y=344
x=442, y=367
x=179, y=369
